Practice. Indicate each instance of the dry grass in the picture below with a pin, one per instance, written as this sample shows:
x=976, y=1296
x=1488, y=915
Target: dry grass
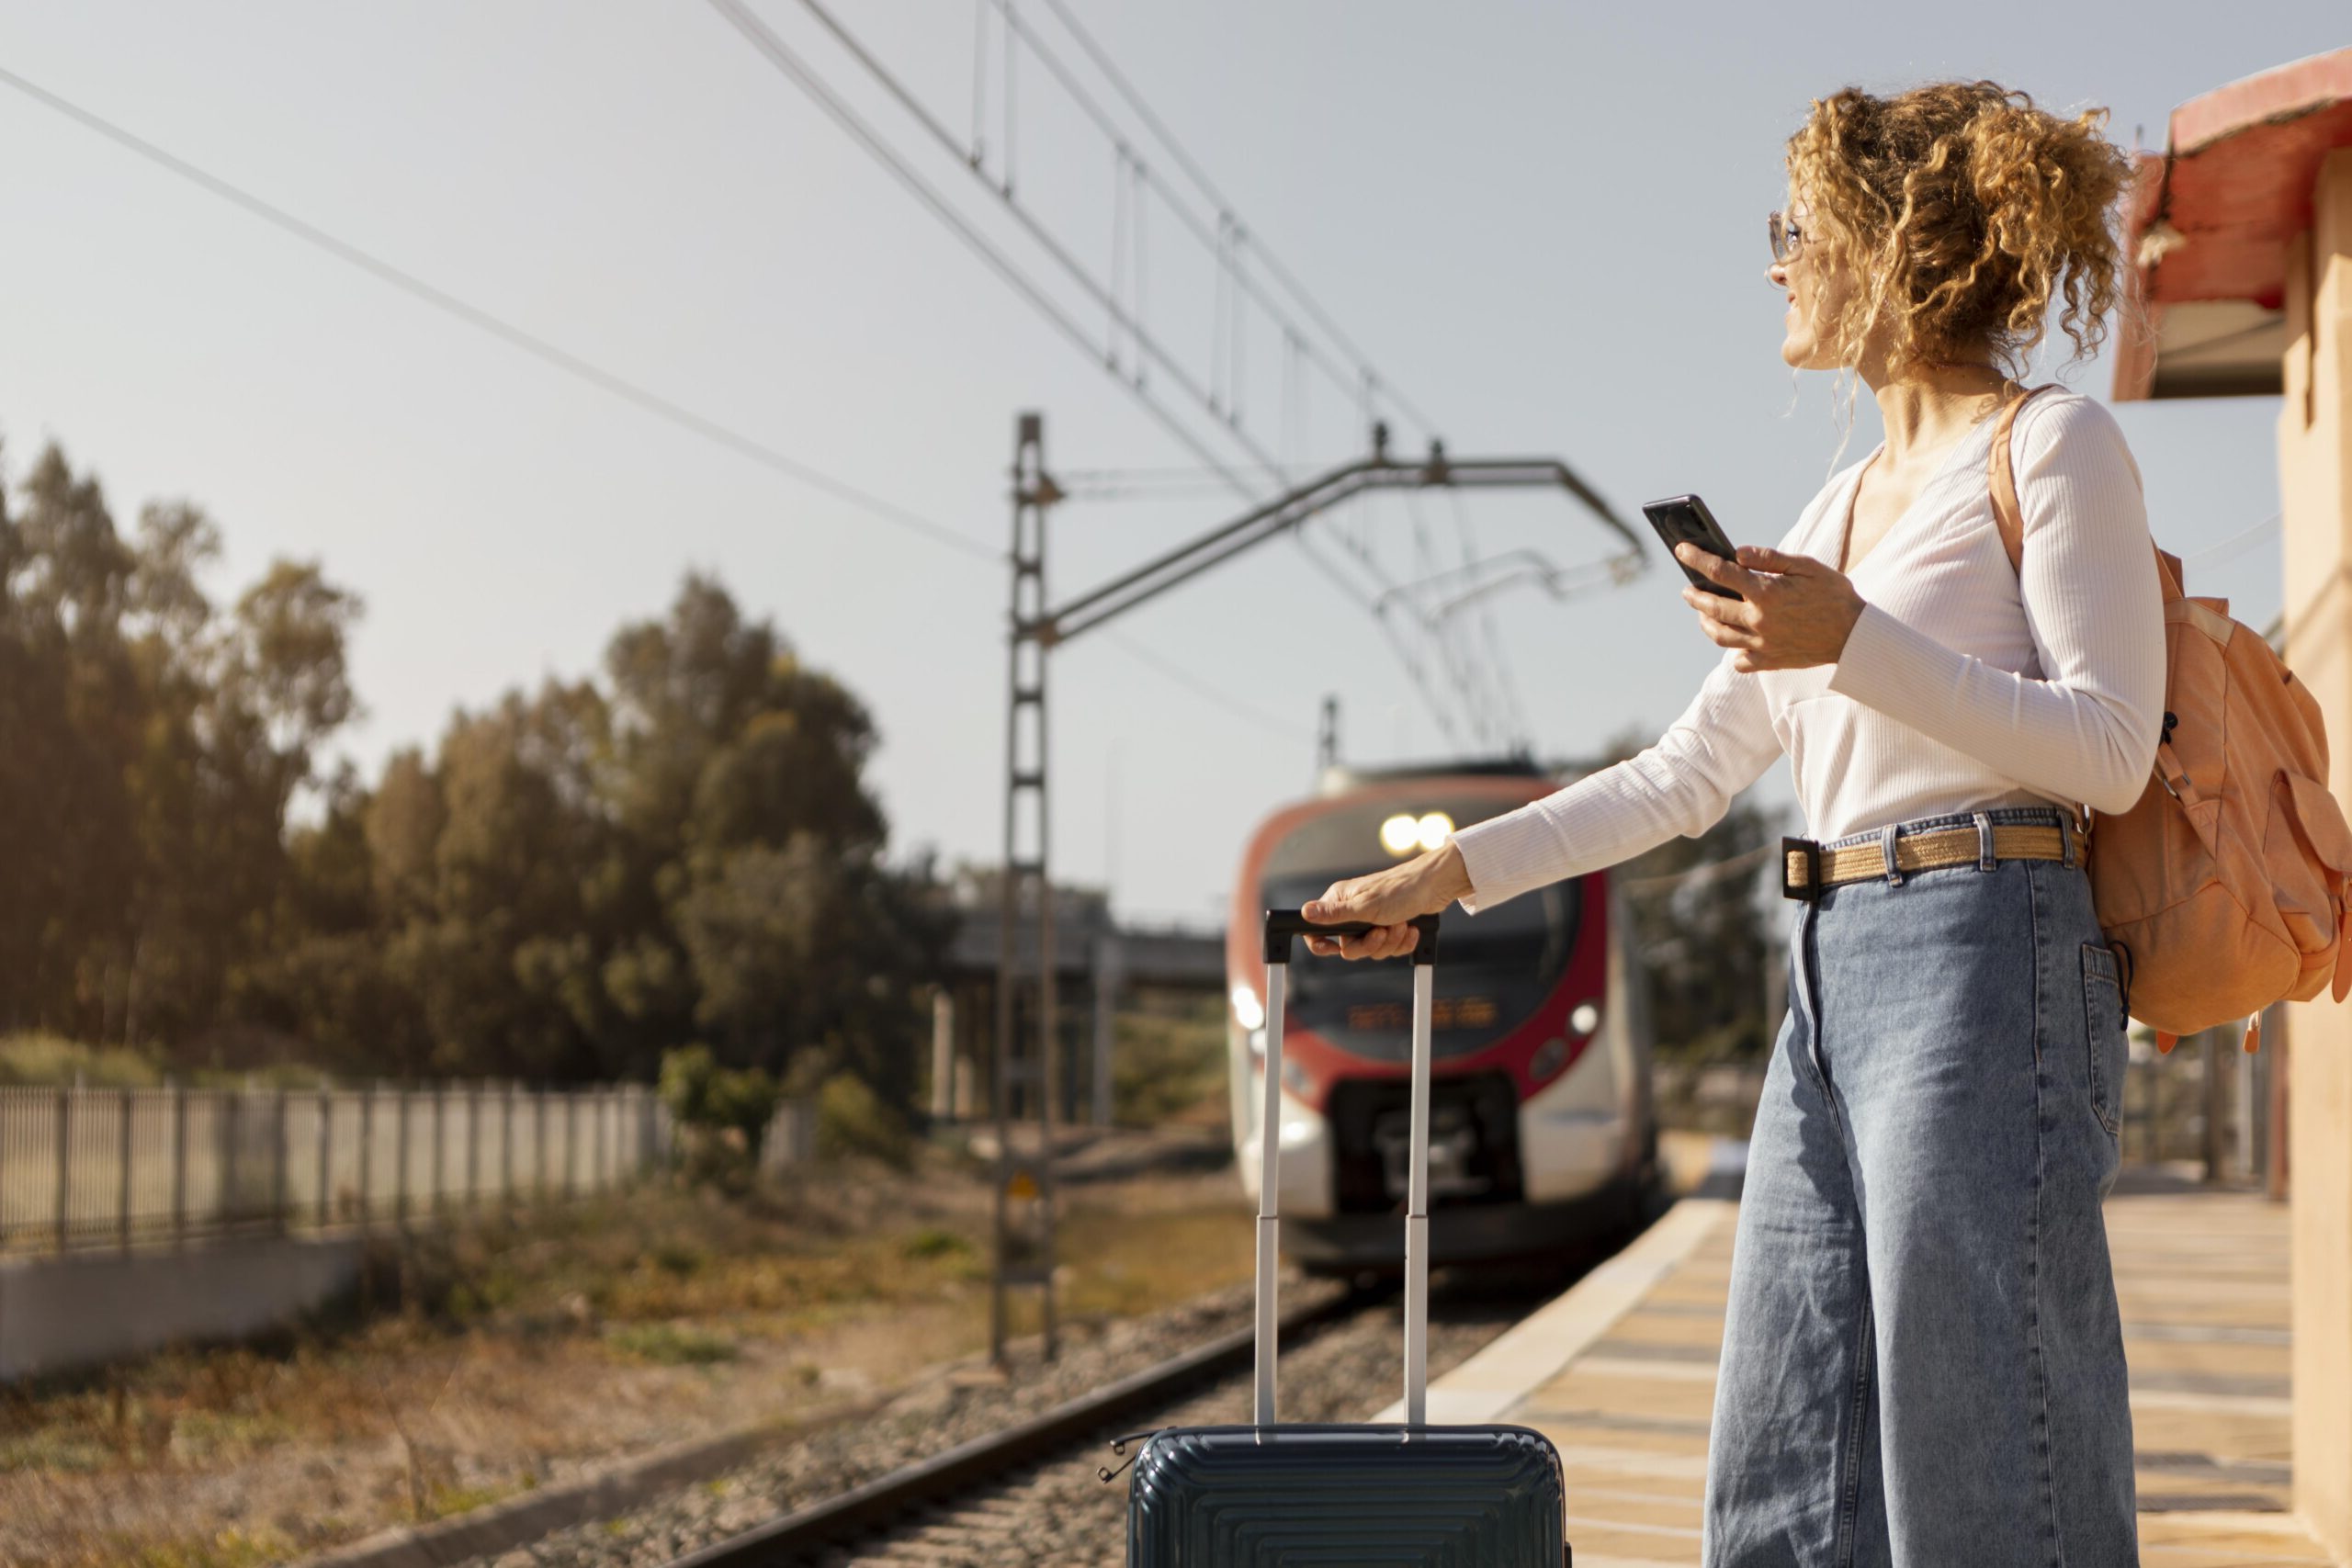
x=501, y=1358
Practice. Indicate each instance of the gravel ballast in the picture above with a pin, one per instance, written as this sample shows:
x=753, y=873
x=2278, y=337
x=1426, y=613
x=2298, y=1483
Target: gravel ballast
x=1056, y=1510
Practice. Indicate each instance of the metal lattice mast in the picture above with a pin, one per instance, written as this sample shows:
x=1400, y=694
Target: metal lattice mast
x=1024, y=1253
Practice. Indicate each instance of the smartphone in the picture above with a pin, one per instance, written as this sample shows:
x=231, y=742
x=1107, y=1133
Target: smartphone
x=1678, y=518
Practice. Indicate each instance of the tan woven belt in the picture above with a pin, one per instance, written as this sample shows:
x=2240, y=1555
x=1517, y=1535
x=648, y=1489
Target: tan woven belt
x=1807, y=868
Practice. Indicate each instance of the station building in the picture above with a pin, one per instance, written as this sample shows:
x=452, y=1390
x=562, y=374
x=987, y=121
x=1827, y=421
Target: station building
x=2241, y=232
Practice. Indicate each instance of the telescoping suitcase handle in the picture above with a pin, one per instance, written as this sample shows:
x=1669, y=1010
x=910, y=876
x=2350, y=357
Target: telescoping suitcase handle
x=1282, y=926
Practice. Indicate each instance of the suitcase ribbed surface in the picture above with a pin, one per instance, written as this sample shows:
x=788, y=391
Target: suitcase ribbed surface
x=1368, y=1496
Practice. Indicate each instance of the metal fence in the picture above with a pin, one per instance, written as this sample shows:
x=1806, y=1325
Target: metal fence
x=2207, y=1102
x=82, y=1167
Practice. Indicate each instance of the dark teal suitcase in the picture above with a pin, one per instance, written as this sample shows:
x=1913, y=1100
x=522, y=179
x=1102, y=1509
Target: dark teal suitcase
x=1409, y=1495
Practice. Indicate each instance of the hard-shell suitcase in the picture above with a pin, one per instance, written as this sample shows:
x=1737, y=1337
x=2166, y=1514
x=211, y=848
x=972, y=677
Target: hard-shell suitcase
x=1408, y=1496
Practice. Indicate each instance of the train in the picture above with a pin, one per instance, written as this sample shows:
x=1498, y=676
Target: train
x=1542, y=1124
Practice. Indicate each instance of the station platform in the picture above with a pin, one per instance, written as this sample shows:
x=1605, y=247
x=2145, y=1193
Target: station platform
x=1620, y=1372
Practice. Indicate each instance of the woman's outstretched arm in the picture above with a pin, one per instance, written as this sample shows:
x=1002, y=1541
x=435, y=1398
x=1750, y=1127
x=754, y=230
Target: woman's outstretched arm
x=1683, y=784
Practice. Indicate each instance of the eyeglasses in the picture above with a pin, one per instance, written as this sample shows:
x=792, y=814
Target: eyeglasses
x=1787, y=238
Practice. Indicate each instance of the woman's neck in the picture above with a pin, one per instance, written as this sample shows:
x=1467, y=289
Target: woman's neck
x=1926, y=407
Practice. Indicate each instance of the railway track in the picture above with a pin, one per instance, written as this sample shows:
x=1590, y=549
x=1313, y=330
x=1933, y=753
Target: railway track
x=1032, y=1493
x=942, y=1490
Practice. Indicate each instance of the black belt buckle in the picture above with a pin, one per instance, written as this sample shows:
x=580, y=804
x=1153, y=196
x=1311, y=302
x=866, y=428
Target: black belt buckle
x=1811, y=890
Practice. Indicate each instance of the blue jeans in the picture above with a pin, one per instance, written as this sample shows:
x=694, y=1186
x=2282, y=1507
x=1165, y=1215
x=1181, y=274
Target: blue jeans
x=1922, y=1364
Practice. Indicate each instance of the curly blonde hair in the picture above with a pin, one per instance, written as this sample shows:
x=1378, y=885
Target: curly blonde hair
x=1965, y=209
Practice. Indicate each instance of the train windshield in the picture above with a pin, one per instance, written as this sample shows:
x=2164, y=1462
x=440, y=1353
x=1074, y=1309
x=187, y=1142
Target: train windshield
x=1495, y=969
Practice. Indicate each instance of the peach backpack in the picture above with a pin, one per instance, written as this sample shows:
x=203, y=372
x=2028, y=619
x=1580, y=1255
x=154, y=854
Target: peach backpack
x=2224, y=889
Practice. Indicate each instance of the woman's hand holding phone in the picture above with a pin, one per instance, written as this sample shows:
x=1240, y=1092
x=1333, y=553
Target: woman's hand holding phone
x=1793, y=611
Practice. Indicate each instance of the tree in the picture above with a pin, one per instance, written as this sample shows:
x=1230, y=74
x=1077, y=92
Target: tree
x=565, y=884
x=75, y=735
x=282, y=668
x=154, y=748
x=1702, y=935
x=797, y=939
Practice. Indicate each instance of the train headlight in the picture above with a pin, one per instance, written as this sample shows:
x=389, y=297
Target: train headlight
x=1549, y=1058
x=1585, y=1019
x=1248, y=1010
x=1294, y=1078
x=1404, y=833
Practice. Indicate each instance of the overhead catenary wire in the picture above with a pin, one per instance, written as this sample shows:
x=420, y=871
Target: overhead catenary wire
x=1142, y=246
x=552, y=354
x=573, y=364
x=1193, y=171
x=1344, y=376
x=1441, y=710
x=1477, y=694
x=2236, y=544
x=801, y=74
x=979, y=78
x=1120, y=188
x=1157, y=471
x=1367, y=377
x=1199, y=688
x=772, y=44
x=1512, y=706
x=1222, y=397
x=530, y=342
x=1470, y=687
x=1007, y=182
x=1111, y=491
x=1153, y=484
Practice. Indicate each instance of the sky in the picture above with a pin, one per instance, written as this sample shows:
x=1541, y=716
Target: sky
x=1541, y=223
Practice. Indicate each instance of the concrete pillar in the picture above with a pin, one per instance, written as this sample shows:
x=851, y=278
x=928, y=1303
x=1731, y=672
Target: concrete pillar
x=942, y=1054
x=971, y=1017
x=2315, y=486
x=1110, y=975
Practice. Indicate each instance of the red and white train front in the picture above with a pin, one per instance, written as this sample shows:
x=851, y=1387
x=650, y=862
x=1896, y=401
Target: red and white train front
x=1541, y=1127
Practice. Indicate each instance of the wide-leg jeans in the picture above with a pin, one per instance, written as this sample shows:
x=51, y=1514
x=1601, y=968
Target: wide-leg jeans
x=1922, y=1364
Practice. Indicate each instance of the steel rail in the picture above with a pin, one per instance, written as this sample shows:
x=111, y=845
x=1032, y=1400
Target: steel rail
x=790, y=1536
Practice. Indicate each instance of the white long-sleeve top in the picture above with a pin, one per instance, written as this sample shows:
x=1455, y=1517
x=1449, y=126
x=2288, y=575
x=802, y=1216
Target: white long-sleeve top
x=1964, y=687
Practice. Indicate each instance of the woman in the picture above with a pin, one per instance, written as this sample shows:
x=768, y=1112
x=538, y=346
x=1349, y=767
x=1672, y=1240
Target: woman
x=1922, y=1363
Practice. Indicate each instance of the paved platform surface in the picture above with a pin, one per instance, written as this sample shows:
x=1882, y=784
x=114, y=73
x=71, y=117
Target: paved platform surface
x=1620, y=1373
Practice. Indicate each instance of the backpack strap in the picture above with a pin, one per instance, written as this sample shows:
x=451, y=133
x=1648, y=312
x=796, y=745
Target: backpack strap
x=2008, y=517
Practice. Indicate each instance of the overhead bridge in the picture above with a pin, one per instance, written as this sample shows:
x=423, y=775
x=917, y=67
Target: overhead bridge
x=1100, y=964
x=1162, y=957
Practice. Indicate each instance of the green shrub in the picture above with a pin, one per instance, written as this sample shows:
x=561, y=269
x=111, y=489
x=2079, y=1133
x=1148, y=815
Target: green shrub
x=934, y=1242
x=1164, y=1064
x=676, y=1258
x=669, y=1345
x=853, y=1120
x=211, y=1434
x=722, y=1112
x=53, y=1451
